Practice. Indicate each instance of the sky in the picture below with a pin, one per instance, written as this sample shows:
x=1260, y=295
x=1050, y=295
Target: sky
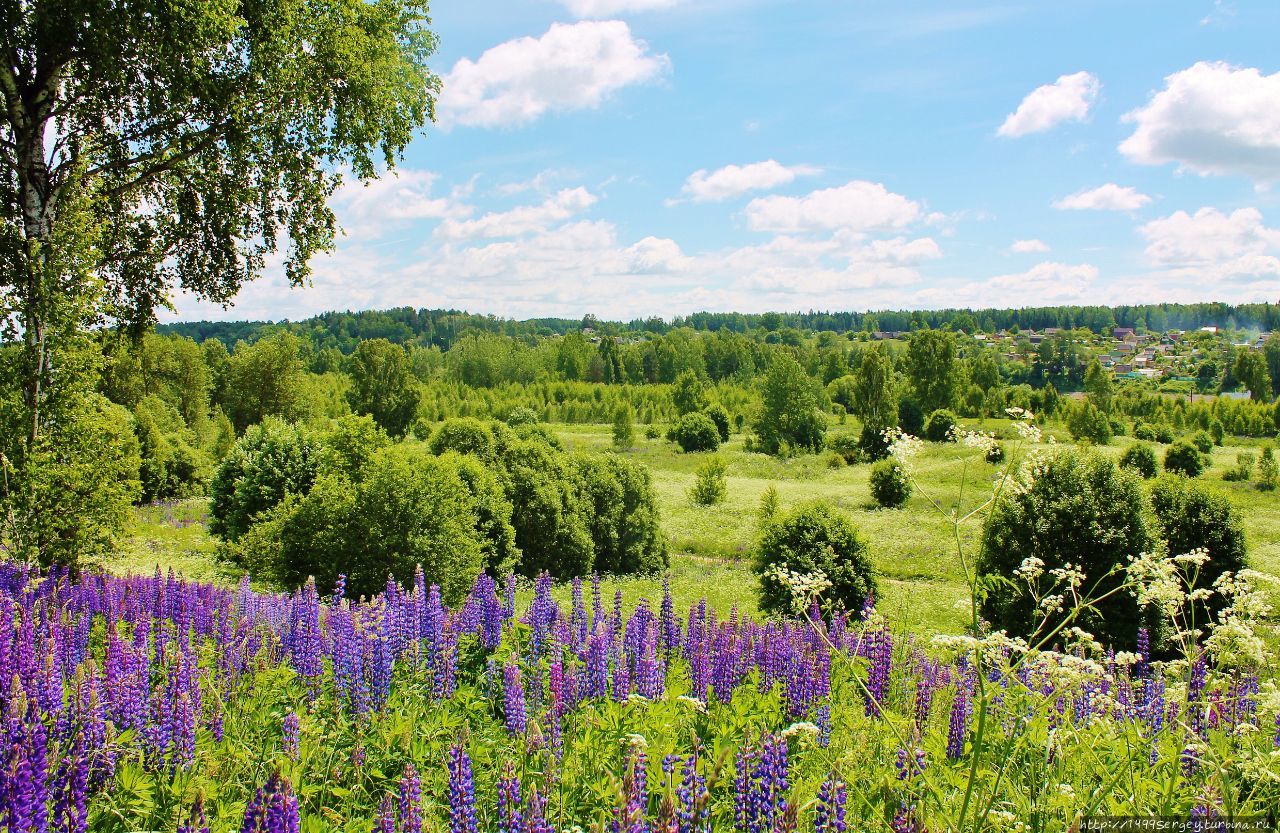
x=631, y=158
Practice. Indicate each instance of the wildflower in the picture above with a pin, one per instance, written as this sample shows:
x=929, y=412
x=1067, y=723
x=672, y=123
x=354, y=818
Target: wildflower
x=462, y=792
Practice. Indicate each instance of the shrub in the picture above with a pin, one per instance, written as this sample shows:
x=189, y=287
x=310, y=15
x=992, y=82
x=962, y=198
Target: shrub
x=464, y=435
x=940, y=427
x=810, y=538
x=848, y=447
x=1140, y=458
x=173, y=466
x=768, y=510
x=651, y=432
x=1192, y=517
x=547, y=514
x=995, y=454
x=1165, y=433
x=710, y=486
x=910, y=417
x=412, y=508
x=621, y=515
x=720, y=417
x=1184, y=458
x=1268, y=470
x=872, y=443
x=1217, y=431
x=273, y=459
x=890, y=485
x=624, y=432
x=789, y=419
x=1079, y=509
x=696, y=432
x=521, y=416
x=1088, y=423
x=493, y=514
x=1242, y=471
x=1144, y=432
x=351, y=443
x=1202, y=441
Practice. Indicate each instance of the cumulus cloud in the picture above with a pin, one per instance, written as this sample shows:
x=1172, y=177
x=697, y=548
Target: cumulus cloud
x=857, y=206
x=572, y=66
x=522, y=219
x=735, y=180
x=1109, y=197
x=367, y=210
x=610, y=8
x=1211, y=118
x=1029, y=246
x=1047, y=282
x=1210, y=239
x=1067, y=99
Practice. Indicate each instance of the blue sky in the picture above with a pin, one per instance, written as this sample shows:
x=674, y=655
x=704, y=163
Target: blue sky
x=654, y=157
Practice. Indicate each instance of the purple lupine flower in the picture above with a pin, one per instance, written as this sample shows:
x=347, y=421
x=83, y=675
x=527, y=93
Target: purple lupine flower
x=462, y=792
x=410, y=807
x=289, y=734
x=829, y=814
x=535, y=817
x=961, y=708
x=274, y=808
x=630, y=816
x=510, y=819
x=513, y=707
x=196, y=822
x=880, y=653
x=386, y=820
x=691, y=812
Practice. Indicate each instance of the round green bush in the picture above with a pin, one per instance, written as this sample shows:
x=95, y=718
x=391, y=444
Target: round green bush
x=1184, y=458
x=696, y=432
x=1202, y=441
x=273, y=459
x=995, y=454
x=872, y=443
x=1072, y=508
x=845, y=446
x=809, y=538
x=890, y=485
x=521, y=415
x=1140, y=458
x=940, y=426
x=1144, y=432
x=1192, y=517
x=620, y=510
x=910, y=417
x=1088, y=423
x=720, y=417
x=710, y=486
x=465, y=435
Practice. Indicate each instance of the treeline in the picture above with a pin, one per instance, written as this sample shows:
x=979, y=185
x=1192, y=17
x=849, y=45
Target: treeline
x=443, y=328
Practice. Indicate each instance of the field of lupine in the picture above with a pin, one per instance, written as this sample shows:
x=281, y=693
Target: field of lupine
x=150, y=703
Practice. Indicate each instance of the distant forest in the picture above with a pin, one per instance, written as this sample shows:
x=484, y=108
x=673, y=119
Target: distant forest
x=442, y=328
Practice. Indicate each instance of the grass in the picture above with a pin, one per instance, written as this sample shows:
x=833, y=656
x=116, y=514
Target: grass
x=922, y=581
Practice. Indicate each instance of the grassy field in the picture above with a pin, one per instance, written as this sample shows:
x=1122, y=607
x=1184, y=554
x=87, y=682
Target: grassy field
x=921, y=576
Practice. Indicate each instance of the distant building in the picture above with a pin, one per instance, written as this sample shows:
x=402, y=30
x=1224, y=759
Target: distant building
x=1122, y=333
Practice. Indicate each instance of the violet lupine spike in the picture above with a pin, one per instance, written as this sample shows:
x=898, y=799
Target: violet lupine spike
x=829, y=812
x=289, y=733
x=535, y=817
x=385, y=822
x=410, y=806
x=513, y=706
x=510, y=819
x=692, y=809
x=958, y=728
x=196, y=821
x=273, y=809
x=462, y=792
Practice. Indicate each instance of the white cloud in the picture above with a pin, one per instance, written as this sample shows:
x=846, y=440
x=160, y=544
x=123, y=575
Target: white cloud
x=1029, y=246
x=1211, y=118
x=735, y=180
x=570, y=67
x=522, y=219
x=857, y=206
x=1210, y=238
x=1109, y=197
x=368, y=210
x=1045, y=283
x=1067, y=99
x=610, y=8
